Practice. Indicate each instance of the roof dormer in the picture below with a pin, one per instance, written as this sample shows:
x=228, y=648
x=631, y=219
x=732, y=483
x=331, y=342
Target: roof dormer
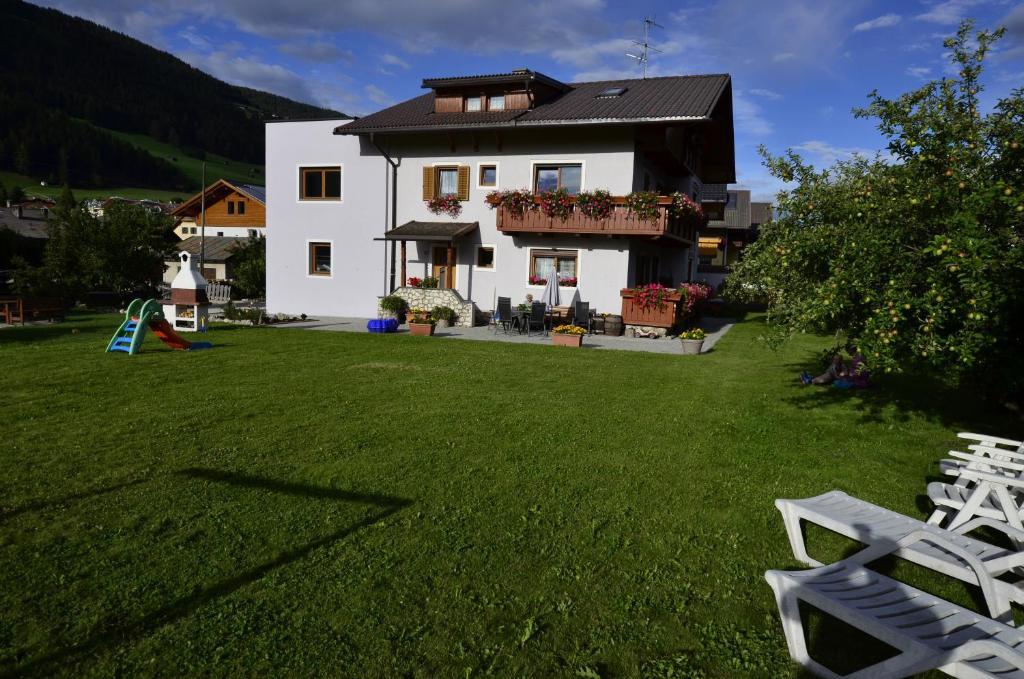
x=519, y=90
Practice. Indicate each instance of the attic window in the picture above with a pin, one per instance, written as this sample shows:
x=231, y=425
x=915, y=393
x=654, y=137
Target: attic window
x=611, y=92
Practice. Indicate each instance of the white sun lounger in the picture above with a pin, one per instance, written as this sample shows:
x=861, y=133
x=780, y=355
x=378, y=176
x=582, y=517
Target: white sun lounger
x=873, y=525
x=985, y=486
x=993, y=441
x=928, y=632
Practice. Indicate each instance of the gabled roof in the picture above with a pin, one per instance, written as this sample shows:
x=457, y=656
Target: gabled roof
x=218, y=248
x=518, y=76
x=650, y=100
x=215, y=191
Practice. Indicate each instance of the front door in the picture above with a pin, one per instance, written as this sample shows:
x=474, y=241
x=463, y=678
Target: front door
x=439, y=268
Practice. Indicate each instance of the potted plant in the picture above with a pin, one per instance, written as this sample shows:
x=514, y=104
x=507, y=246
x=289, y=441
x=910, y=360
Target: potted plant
x=556, y=204
x=445, y=205
x=420, y=322
x=567, y=335
x=693, y=340
x=595, y=204
x=392, y=306
x=643, y=205
x=443, y=316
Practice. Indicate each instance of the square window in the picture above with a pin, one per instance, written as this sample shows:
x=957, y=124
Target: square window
x=472, y=104
x=316, y=183
x=485, y=258
x=319, y=259
x=496, y=103
x=544, y=264
x=489, y=175
x=231, y=207
x=241, y=207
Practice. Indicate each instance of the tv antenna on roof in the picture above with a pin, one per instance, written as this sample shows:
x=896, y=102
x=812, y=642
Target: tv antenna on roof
x=645, y=45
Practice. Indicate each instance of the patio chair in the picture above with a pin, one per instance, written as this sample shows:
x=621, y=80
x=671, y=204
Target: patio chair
x=504, y=320
x=873, y=525
x=537, y=319
x=927, y=633
x=581, y=316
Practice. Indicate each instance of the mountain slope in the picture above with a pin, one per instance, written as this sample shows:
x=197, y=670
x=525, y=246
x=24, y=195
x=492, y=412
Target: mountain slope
x=54, y=68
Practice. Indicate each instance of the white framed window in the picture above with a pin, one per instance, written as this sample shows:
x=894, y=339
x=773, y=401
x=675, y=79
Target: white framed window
x=496, y=103
x=487, y=175
x=319, y=258
x=473, y=104
x=545, y=263
x=484, y=260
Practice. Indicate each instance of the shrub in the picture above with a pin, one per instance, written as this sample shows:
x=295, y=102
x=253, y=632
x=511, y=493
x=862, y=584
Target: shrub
x=443, y=313
x=392, y=303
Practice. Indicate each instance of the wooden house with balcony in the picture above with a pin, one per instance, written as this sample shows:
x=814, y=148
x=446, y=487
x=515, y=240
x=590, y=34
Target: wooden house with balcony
x=231, y=211
x=413, y=183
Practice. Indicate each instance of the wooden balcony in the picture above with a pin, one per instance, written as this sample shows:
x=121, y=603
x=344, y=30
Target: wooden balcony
x=620, y=223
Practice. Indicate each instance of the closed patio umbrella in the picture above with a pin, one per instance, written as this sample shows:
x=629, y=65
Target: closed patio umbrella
x=550, y=294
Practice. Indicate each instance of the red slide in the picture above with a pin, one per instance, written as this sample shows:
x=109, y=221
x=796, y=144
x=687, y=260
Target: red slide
x=165, y=332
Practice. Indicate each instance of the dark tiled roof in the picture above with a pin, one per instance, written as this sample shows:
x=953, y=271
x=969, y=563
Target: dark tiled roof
x=31, y=224
x=519, y=76
x=649, y=100
x=441, y=231
x=255, y=192
x=714, y=193
x=218, y=248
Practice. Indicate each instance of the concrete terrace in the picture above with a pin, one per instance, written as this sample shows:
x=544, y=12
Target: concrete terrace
x=714, y=327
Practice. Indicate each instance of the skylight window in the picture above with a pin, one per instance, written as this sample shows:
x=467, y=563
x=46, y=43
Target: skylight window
x=611, y=92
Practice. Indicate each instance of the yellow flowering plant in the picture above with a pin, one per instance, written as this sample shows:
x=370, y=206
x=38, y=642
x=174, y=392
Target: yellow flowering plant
x=569, y=330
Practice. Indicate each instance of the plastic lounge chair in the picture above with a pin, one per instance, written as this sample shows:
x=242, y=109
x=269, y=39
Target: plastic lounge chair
x=505, y=320
x=993, y=441
x=581, y=316
x=992, y=495
x=536, y=318
x=927, y=632
x=872, y=525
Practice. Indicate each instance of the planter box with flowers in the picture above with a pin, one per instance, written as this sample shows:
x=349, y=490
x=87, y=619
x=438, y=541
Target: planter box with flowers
x=651, y=305
x=567, y=335
x=692, y=340
x=445, y=205
x=420, y=322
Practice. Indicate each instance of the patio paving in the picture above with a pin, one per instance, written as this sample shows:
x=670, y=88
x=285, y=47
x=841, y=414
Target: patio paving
x=714, y=327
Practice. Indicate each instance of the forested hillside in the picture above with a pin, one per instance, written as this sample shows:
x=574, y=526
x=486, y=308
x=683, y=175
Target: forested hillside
x=57, y=70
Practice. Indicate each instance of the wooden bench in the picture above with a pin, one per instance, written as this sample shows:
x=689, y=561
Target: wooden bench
x=19, y=309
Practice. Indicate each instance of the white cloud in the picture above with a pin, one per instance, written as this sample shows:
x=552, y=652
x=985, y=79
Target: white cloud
x=378, y=96
x=747, y=117
x=251, y=72
x=319, y=51
x=950, y=12
x=884, y=21
x=765, y=94
x=392, y=60
x=922, y=72
x=827, y=154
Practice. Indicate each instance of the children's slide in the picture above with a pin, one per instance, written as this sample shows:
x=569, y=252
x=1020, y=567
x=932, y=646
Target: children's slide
x=142, y=315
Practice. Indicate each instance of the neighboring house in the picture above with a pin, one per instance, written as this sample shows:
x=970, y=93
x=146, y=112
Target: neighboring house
x=216, y=257
x=98, y=208
x=235, y=210
x=733, y=224
x=347, y=217
x=28, y=222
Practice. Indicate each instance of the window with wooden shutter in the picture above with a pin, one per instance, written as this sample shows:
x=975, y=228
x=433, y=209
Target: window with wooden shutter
x=464, y=182
x=428, y=183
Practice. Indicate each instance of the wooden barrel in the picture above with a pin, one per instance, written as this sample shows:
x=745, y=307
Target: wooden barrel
x=613, y=325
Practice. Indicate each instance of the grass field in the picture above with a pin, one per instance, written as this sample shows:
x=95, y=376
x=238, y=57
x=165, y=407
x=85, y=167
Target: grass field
x=32, y=187
x=299, y=502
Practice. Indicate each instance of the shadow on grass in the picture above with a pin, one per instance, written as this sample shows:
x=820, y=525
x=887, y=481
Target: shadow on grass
x=115, y=631
x=901, y=397
x=44, y=504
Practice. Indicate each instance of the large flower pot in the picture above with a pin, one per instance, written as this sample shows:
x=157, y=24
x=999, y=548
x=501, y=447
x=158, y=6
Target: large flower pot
x=692, y=346
x=664, y=315
x=560, y=340
x=421, y=329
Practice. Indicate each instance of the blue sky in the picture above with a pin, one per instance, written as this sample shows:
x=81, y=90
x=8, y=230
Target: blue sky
x=798, y=67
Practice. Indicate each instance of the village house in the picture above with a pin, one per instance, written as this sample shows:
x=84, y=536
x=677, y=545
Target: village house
x=348, y=217
x=733, y=223
x=232, y=210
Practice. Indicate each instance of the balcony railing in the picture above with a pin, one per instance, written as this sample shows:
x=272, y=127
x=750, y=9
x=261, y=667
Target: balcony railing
x=621, y=222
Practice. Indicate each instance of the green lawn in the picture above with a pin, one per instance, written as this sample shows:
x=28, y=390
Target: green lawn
x=298, y=502
x=32, y=187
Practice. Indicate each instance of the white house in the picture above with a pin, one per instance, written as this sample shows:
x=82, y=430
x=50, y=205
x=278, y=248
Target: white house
x=347, y=213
